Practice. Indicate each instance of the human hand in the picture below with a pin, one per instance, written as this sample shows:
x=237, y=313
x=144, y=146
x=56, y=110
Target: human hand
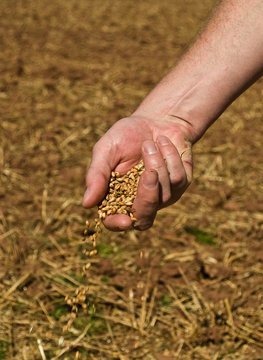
x=166, y=151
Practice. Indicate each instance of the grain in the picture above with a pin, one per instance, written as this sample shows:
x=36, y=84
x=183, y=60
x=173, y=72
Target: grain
x=122, y=191
x=121, y=194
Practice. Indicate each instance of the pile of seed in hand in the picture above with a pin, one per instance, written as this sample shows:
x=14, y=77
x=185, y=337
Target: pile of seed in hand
x=121, y=194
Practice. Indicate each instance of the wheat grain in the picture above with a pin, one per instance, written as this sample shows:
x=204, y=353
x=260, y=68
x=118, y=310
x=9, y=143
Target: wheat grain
x=122, y=191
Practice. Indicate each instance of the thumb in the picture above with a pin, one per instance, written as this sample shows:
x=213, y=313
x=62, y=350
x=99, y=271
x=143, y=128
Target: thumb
x=98, y=175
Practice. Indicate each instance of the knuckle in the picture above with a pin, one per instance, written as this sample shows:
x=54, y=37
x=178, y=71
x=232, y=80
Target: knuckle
x=178, y=178
x=96, y=147
x=150, y=202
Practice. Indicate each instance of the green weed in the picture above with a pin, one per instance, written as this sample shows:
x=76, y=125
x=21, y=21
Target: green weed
x=60, y=310
x=3, y=349
x=200, y=235
x=105, y=278
x=98, y=325
x=105, y=250
x=166, y=300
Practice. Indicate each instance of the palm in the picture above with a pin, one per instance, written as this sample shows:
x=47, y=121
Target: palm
x=127, y=136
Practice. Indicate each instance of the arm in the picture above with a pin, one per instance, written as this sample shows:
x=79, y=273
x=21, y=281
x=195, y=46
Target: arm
x=222, y=63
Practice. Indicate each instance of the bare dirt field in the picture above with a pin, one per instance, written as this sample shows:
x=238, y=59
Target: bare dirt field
x=68, y=70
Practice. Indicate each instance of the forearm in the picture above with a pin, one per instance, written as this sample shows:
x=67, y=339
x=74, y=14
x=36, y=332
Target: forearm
x=222, y=63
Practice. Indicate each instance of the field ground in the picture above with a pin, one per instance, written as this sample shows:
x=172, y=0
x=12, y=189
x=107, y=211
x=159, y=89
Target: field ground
x=70, y=69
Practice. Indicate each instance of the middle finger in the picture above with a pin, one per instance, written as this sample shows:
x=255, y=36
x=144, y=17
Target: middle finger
x=153, y=160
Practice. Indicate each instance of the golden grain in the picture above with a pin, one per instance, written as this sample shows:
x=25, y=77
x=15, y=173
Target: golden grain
x=121, y=194
x=122, y=190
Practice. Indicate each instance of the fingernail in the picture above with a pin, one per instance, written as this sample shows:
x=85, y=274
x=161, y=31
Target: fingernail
x=149, y=147
x=150, y=179
x=163, y=140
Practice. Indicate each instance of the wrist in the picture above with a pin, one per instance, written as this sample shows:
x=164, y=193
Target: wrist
x=170, y=126
x=193, y=102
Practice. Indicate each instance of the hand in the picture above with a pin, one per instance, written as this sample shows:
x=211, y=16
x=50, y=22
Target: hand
x=165, y=149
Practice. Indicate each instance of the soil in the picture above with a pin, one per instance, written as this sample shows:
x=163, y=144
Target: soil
x=69, y=70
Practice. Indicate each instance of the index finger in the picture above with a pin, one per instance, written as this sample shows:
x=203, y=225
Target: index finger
x=145, y=205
